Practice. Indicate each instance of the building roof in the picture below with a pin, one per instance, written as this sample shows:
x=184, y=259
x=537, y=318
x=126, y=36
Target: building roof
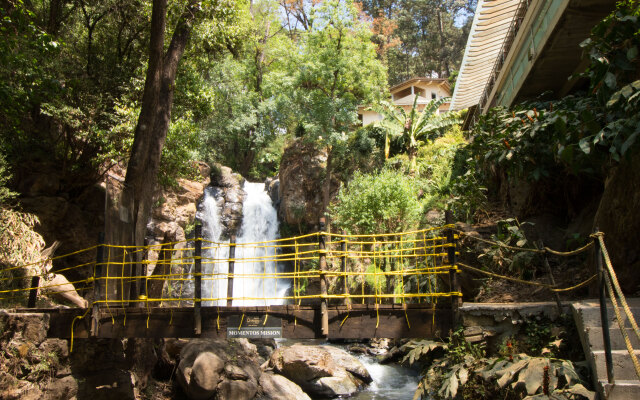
x=413, y=81
x=492, y=22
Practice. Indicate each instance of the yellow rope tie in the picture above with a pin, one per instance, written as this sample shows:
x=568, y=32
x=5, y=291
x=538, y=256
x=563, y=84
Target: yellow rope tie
x=540, y=251
x=348, y=312
x=547, y=286
x=77, y=317
x=241, y=320
x=218, y=319
x=616, y=309
x=171, y=317
x=616, y=285
x=377, y=316
x=406, y=316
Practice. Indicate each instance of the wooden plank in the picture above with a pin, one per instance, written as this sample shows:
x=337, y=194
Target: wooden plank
x=298, y=322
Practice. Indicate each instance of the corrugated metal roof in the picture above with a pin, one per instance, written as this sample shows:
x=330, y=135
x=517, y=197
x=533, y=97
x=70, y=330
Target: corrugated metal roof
x=491, y=24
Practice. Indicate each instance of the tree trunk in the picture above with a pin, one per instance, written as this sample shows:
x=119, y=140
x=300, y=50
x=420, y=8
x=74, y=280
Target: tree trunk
x=151, y=129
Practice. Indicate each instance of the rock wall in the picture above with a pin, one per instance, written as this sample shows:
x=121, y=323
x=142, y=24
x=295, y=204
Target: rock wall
x=301, y=179
x=618, y=218
x=227, y=189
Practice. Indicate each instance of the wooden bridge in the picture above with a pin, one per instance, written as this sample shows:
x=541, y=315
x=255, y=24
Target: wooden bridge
x=397, y=285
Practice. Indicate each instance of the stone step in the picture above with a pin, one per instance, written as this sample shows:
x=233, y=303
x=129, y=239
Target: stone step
x=596, y=340
x=622, y=365
x=621, y=389
x=588, y=313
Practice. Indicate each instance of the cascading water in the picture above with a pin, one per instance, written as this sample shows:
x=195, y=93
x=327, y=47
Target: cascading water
x=259, y=224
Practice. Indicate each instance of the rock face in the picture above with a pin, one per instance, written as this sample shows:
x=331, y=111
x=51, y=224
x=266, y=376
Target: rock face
x=33, y=367
x=302, y=174
x=226, y=369
x=320, y=370
x=618, y=218
x=227, y=189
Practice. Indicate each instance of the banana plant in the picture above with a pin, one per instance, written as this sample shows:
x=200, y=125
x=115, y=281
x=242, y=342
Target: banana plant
x=414, y=126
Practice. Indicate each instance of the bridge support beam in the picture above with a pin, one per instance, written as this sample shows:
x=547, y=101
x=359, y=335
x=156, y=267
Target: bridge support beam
x=298, y=322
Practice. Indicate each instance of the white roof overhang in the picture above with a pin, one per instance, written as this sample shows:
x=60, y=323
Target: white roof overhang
x=491, y=23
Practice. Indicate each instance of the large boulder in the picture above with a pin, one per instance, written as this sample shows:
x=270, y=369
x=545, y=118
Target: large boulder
x=618, y=218
x=301, y=180
x=320, y=370
x=219, y=368
x=277, y=387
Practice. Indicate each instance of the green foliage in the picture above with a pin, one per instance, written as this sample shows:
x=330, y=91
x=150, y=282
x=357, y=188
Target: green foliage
x=460, y=349
x=415, y=126
x=386, y=201
x=498, y=258
x=579, y=134
x=334, y=69
x=418, y=37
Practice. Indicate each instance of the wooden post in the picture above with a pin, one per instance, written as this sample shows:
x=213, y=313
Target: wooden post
x=322, y=250
x=343, y=262
x=604, y=318
x=197, y=266
x=33, y=292
x=553, y=281
x=232, y=256
x=97, y=295
x=454, y=284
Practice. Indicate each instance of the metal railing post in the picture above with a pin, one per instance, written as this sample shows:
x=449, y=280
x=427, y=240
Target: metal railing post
x=232, y=256
x=343, y=261
x=322, y=250
x=197, y=266
x=97, y=295
x=604, y=318
x=453, y=273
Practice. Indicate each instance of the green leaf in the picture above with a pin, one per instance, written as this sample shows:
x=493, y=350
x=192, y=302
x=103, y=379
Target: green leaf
x=610, y=80
x=584, y=145
x=629, y=142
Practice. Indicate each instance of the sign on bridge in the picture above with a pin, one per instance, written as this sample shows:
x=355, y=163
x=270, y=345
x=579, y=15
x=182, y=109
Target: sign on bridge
x=254, y=326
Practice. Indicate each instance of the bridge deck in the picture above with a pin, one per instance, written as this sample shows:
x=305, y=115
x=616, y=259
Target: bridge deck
x=301, y=322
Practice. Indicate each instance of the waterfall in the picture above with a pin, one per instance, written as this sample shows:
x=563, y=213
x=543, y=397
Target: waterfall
x=259, y=224
x=209, y=215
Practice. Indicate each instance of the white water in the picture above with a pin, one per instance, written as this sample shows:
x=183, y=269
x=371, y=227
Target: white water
x=259, y=224
x=390, y=381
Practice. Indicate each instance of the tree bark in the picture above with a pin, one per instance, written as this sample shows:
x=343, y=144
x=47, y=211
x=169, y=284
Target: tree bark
x=153, y=125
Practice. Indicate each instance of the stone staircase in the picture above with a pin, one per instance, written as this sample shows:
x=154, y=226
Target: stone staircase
x=587, y=316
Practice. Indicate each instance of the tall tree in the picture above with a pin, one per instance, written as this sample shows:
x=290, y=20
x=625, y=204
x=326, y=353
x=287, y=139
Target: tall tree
x=157, y=100
x=335, y=70
x=420, y=37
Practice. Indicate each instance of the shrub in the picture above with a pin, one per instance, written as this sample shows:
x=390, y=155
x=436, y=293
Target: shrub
x=371, y=203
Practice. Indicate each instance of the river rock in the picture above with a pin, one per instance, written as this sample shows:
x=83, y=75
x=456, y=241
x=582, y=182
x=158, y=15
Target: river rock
x=277, y=387
x=237, y=390
x=224, y=369
x=320, y=370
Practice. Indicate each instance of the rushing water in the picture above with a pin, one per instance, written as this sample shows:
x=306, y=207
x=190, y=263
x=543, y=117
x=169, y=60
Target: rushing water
x=390, y=381
x=259, y=224
x=256, y=244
